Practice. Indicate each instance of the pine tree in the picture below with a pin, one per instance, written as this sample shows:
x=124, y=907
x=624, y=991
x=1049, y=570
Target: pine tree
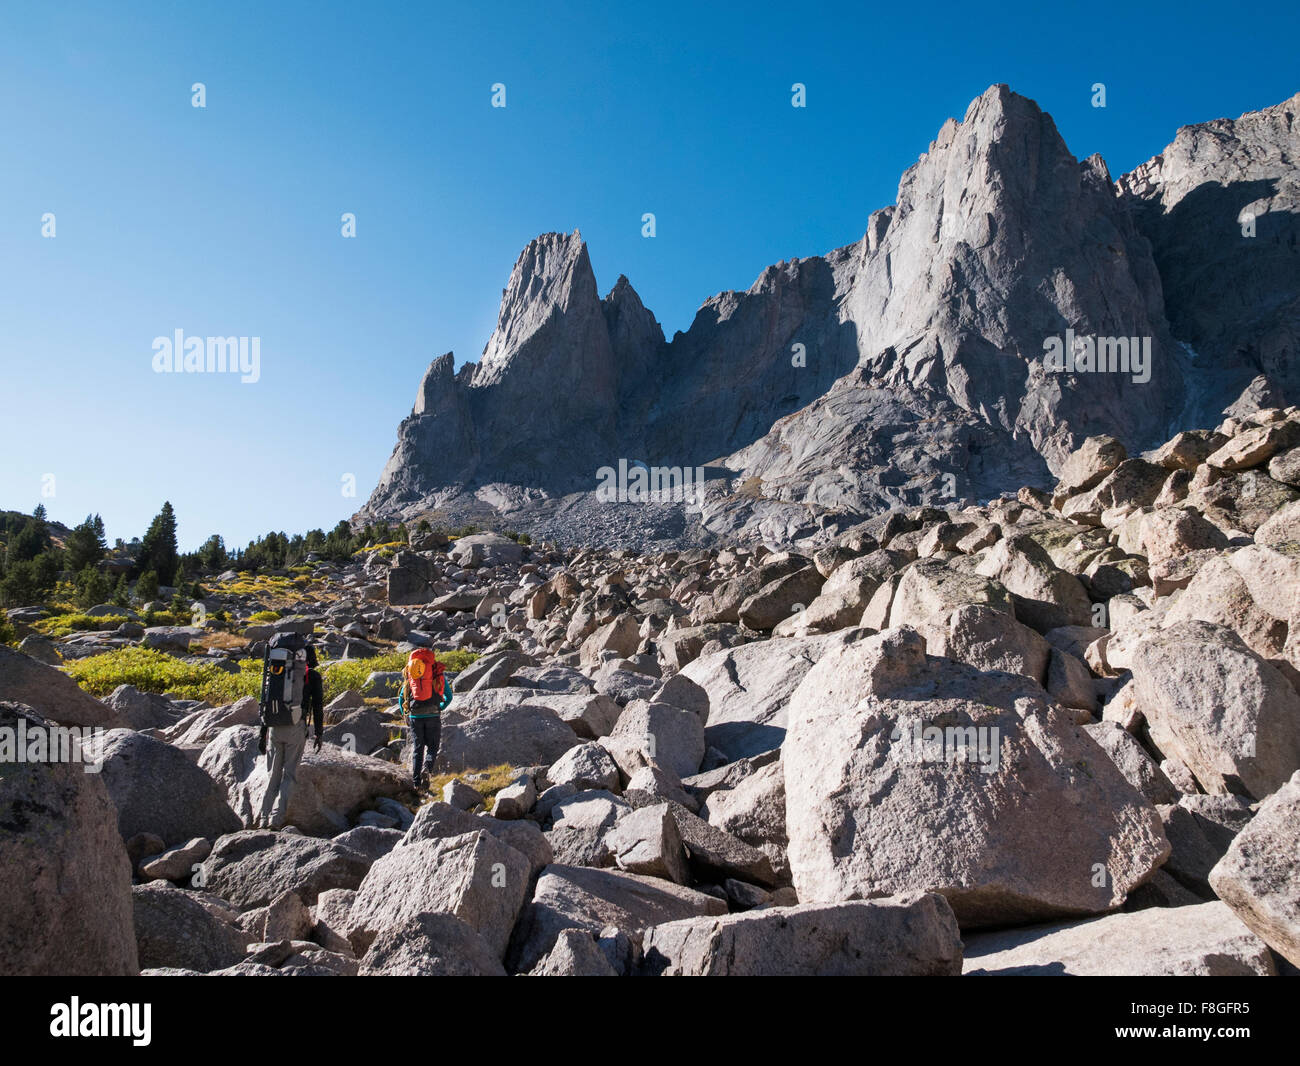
x=19, y=587
x=29, y=542
x=92, y=587
x=146, y=588
x=85, y=545
x=158, y=549
x=213, y=553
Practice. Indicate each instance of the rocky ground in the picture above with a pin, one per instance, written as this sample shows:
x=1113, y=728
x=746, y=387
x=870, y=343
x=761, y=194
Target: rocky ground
x=1058, y=733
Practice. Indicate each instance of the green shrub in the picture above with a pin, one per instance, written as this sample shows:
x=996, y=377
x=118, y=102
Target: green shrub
x=264, y=616
x=155, y=671
x=8, y=635
x=166, y=618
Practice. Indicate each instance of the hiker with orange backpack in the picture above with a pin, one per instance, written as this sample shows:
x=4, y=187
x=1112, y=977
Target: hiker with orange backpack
x=425, y=694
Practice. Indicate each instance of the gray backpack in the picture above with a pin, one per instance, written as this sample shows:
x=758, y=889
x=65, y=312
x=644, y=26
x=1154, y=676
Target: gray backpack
x=284, y=679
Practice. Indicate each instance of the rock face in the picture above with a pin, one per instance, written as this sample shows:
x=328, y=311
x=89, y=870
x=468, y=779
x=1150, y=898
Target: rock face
x=50, y=692
x=899, y=936
x=749, y=688
x=199, y=728
x=552, y=338
x=437, y=821
x=657, y=732
x=475, y=877
x=1230, y=716
x=931, y=328
x=65, y=878
x=172, y=928
x=430, y=945
x=252, y=868
x=481, y=730
x=875, y=805
x=1220, y=207
x=1197, y=941
x=576, y=954
x=571, y=897
x=1259, y=877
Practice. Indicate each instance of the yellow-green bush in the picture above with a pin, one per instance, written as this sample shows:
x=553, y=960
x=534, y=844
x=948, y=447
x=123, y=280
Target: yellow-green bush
x=60, y=625
x=386, y=549
x=271, y=587
x=264, y=616
x=155, y=671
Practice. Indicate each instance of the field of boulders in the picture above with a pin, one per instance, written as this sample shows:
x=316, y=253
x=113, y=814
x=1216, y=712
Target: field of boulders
x=709, y=762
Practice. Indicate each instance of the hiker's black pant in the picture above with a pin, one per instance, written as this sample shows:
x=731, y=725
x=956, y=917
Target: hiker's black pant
x=425, y=734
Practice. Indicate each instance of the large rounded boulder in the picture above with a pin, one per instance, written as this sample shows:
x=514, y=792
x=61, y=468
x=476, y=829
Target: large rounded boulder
x=905, y=772
x=158, y=789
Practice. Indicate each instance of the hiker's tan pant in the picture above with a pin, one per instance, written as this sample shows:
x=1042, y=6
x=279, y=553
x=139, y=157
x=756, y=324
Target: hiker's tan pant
x=284, y=747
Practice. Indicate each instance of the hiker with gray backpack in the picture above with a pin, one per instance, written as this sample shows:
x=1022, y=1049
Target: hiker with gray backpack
x=291, y=691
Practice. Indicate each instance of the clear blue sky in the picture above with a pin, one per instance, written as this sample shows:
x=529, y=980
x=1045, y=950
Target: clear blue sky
x=226, y=220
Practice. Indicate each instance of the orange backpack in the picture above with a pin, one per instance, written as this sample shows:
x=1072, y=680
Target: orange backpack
x=425, y=674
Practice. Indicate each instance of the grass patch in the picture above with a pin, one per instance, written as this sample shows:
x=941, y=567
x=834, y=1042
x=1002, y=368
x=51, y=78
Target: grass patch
x=155, y=671
x=220, y=641
x=487, y=782
x=264, y=616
